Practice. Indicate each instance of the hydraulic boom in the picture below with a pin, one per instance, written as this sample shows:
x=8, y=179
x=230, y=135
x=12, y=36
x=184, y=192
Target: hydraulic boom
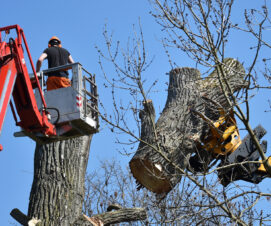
x=15, y=82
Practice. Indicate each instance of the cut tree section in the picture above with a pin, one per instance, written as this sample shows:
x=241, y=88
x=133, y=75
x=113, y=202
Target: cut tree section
x=166, y=146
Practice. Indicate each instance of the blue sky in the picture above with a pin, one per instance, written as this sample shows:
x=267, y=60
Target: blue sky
x=79, y=24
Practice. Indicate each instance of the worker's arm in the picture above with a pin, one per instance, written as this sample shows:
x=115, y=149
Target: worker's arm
x=40, y=60
x=70, y=60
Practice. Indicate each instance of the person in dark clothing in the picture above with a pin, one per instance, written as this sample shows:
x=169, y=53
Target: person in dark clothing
x=56, y=56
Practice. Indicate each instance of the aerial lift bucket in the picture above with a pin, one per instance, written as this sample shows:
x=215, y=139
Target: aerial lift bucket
x=73, y=110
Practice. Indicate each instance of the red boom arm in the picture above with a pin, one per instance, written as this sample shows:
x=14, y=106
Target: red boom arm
x=15, y=80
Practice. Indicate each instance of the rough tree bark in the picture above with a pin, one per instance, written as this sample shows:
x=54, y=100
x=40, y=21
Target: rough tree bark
x=216, y=99
x=176, y=133
x=172, y=135
x=107, y=218
x=57, y=192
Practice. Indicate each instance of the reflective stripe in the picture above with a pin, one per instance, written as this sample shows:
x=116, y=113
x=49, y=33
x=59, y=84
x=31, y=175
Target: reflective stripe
x=5, y=89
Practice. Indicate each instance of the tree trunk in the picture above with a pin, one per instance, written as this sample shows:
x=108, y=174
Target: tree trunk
x=174, y=138
x=172, y=135
x=57, y=192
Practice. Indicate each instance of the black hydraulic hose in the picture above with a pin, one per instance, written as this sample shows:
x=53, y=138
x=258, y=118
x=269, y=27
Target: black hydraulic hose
x=11, y=42
x=57, y=111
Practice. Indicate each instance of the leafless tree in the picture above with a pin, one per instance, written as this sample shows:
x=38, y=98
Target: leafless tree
x=202, y=29
x=185, y=204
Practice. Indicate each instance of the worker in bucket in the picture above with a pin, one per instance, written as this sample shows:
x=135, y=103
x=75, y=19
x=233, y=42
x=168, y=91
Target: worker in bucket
x=56, y=56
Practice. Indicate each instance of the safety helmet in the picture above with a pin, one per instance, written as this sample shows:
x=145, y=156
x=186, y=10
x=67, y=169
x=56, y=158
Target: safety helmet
x=54, y=41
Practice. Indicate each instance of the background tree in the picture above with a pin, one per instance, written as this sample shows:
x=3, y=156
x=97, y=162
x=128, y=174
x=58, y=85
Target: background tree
x=202, y=30
x=186, y=204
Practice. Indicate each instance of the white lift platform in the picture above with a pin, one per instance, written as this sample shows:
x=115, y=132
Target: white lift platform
x=73, y=110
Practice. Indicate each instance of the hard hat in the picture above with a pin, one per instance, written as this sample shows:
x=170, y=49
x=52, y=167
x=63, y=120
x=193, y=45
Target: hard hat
x=54, y=40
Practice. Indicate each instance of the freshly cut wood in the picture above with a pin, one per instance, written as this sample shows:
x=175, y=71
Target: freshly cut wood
x=169, y=143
